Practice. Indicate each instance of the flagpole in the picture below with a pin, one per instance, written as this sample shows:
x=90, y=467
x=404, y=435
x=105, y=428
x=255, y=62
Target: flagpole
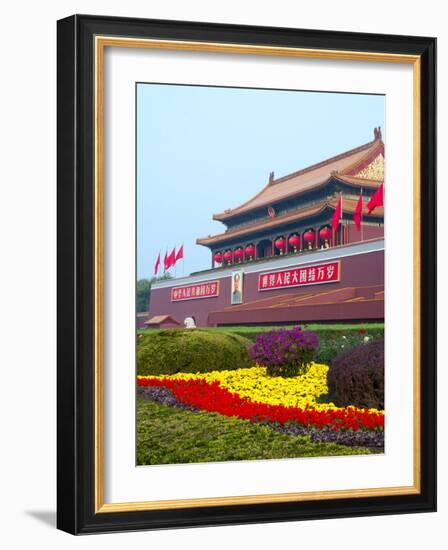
x=341, y=219
x=362, y=208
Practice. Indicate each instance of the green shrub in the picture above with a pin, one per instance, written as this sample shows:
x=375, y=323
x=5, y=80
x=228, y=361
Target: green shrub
x=333, y=339
x=357, y=377
x=334, y=342
x=192, y=350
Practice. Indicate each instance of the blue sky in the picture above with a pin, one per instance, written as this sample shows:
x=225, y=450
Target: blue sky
x=201, y=150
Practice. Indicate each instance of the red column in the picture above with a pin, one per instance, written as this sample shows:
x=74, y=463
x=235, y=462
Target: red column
x=316, y=238
x=273, y=248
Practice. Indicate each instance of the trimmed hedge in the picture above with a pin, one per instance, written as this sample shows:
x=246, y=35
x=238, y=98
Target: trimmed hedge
x=191, y=350
x=357, y=377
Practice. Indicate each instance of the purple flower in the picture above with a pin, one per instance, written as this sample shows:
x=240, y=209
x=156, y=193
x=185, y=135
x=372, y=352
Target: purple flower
x=285, y=352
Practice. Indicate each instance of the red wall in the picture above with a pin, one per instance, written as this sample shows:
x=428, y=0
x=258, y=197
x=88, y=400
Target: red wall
x=360, y=270
x=368, y=232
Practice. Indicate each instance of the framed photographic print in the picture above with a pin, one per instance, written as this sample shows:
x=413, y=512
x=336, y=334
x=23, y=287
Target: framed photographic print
x=246, y=267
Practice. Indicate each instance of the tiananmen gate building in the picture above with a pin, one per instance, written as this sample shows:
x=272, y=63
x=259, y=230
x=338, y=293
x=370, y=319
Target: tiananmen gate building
x=293, y=253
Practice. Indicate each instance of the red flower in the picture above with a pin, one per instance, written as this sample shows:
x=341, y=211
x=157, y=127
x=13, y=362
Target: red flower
x=211, y=397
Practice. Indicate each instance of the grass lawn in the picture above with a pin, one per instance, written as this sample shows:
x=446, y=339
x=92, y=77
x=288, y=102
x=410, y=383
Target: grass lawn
x=312, y=326
x=168, y=435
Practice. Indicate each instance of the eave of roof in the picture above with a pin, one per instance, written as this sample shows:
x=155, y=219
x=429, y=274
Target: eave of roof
x=267, y=223
x=348, y=206
x=157, y=319
x=357, y=182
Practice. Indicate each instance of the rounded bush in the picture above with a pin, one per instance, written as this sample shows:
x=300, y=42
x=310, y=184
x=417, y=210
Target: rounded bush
x=193, y=350
x=357, y=377
x=285, y=352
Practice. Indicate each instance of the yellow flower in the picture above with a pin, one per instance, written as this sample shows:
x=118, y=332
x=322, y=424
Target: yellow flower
x=254, y=384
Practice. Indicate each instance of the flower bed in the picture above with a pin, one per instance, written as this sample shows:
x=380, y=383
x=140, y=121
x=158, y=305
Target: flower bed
x=256, y=385
x=250, y=394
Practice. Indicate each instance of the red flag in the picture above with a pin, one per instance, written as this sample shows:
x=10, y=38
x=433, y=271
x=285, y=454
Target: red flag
x=180, y=254
x=377, y=199
x=157, y=265
x=358, y=213
x=171, y=260
x=165, y=262
x=337, y=214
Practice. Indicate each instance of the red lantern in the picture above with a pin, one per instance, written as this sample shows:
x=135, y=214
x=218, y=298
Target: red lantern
x=325, y=233
x=250, y=250
x=238, y=254
x=309, y=236
x=218, y=258
x=280, y=243
x=294, y=241
x=228, y=255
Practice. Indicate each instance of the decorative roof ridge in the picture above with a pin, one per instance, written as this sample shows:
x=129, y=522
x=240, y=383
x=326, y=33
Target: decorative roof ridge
x=377, y=149
x=325, y=162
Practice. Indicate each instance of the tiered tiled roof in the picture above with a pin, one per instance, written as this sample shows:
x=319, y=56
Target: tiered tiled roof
x=362, y=167
x=352, y=167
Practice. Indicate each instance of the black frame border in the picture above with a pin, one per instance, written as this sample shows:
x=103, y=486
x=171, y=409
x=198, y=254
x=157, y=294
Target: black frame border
x=76, y=262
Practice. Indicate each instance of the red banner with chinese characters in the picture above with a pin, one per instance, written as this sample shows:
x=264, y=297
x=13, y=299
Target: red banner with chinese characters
x=210, y=289
x=300, y=276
